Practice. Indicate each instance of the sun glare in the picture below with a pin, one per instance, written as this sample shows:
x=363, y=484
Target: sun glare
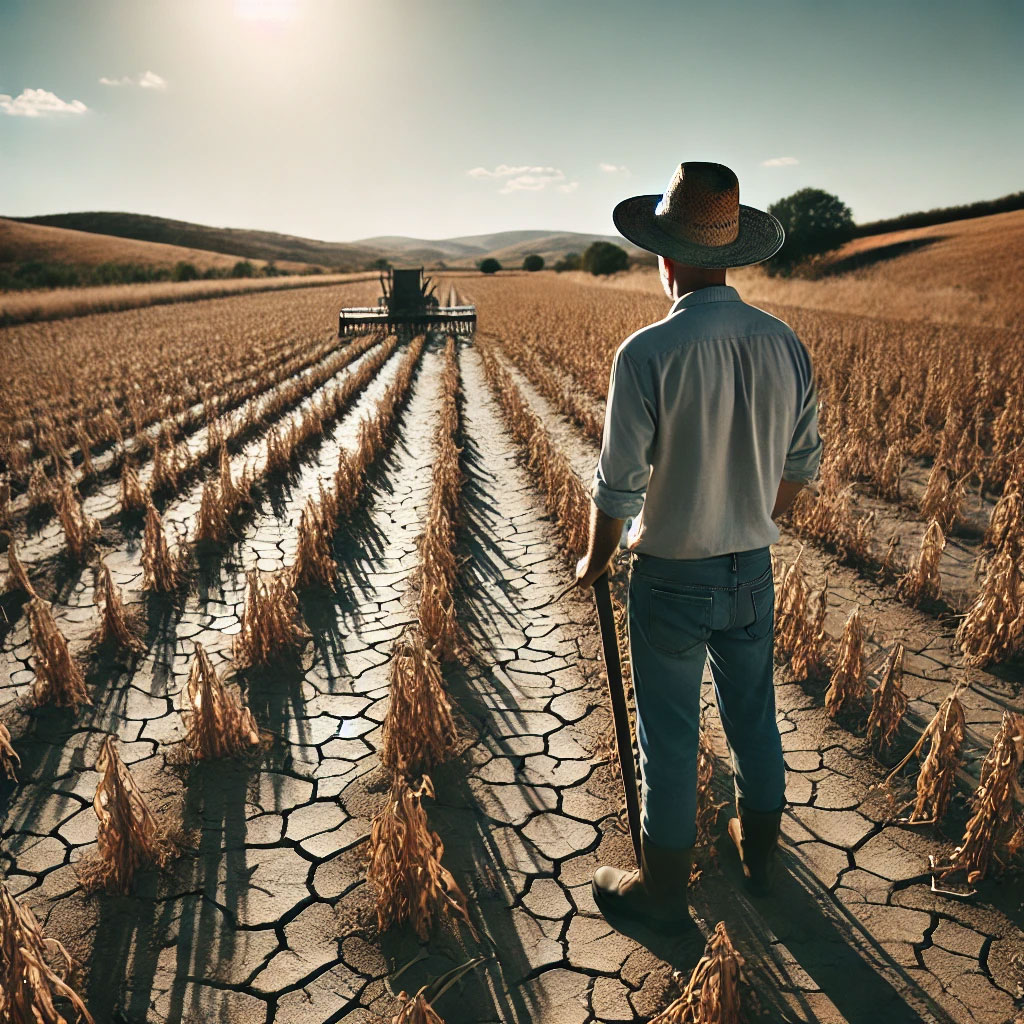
x=266, y=10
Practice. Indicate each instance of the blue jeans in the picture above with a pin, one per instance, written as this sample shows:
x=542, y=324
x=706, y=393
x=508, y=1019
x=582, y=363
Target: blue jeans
x=681, y=612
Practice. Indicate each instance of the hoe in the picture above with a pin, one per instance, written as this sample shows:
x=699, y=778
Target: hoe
x=407, y=300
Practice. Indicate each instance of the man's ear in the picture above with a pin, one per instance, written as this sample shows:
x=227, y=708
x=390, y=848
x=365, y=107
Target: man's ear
x=670, y=272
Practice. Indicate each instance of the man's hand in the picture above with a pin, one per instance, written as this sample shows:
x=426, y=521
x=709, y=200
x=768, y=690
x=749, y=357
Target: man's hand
x=603, y=543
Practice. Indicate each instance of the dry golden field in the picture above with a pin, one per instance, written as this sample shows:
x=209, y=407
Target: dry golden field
x=297, y=723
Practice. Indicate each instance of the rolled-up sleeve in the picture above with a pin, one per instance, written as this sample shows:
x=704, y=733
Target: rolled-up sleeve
x=804, y=455
x=624, y=466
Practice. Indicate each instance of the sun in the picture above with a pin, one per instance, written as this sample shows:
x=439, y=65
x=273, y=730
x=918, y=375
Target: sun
x=266, y=10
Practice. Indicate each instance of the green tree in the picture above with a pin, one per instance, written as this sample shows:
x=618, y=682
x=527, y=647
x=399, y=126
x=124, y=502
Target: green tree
x=533, y=262
x=604, y=258
x=570, y=261
x=489, y=266
x=184, y=271
x=243, y=268
x=816, y=223
x=381, y=263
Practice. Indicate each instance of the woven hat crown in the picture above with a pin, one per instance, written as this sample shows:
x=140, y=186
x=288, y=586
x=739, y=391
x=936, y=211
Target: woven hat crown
x=701, y=204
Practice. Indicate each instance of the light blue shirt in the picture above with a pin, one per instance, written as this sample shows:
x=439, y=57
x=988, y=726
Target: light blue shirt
x=707, y=411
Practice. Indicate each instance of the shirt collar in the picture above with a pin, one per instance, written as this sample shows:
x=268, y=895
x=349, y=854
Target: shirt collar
x=713, y=293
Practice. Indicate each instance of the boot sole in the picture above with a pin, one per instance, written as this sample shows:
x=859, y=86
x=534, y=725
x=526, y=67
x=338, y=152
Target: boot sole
x=673, y=927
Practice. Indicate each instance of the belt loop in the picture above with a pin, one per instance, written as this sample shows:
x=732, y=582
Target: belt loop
x=735, y=567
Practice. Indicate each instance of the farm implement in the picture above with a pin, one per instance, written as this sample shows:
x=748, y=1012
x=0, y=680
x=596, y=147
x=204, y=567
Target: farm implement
x=407, y=300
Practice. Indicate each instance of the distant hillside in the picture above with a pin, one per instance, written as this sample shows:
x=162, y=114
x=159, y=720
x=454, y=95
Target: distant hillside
x=22, y=242
x=240, y=243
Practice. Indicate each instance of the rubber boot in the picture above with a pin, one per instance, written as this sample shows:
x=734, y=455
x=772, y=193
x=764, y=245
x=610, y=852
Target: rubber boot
x=655, y=895
x=756, y=835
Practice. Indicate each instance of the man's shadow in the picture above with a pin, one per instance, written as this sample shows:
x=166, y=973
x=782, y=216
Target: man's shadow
x=825, y=942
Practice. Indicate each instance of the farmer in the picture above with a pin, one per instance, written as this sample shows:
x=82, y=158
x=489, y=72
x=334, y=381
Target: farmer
x=711, y=430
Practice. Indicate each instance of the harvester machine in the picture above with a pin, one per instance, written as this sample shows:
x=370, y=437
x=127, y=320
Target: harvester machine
x=409, y=300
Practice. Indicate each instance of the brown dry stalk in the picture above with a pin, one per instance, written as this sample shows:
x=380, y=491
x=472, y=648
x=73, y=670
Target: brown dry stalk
x=117, y=627
x=162, y=570
x=19, y=577
x=80, y=530
x=271, y=624
x=713, y=993
x=1005, y=531
x=707, y=809
x=405, y=865
x=993, y=628
x=5, y=500
x=29, y=987
x=214, y=515
x=128, y=837
x=418, y=731
x=944, y=736
x=132, y=494
x=234, y=493
x=314, y=557
x=439, y=572
x=810, y=659
x=943, y=497
x=889, y=474
x=58, y=680
x=415, y=1009
x=41, y=491
x=995, y=829
x=924, y=581
x=218, y=724
x=8, y=755
x=848, y=681
x=84, y=444
x=565, y=496
x=888, y=702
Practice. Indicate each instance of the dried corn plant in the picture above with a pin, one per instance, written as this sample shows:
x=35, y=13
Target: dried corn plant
x=405, y=865
x=272, y=627
x=163, y=570
x=713, y=993
x=937, y=778
x=80, y=531
x=314, y=557
x=29, y=987
x=166, y=468
x=810, y=659
x=890, y=472
x=18, y=576
x=234, y=492
x=848, y=682
x=415, y=1009
x=792, y=618
x=418, y=731
x=41, y=492
x=1005, y=531
x=214, y=517
x=996, y=828
x=128, y=837
x=5, y=499
x=9, y=759
x=118, y=627
x=217, y=723
x=131, y=494
x=58, y=680
x=438, y=569
x=707, y=809
x=84, y=445
x=993, y=627
x=924, y=582
x=888, y=569
x=888, y=702
x=943, y=497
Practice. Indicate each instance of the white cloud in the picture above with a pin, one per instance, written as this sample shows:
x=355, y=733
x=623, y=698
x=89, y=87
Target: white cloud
x=780, y=161
x=525, y=178
x=614, y=168
x=38, y=103
x=145, y=80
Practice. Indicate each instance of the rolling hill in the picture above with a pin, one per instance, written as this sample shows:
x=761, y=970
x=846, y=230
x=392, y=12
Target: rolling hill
x=240, y=243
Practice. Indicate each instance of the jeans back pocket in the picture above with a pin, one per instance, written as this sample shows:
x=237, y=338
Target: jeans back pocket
x=678, y=622
x=762, y=597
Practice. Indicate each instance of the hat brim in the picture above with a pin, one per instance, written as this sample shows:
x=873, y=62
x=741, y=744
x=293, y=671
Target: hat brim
x=760, y=236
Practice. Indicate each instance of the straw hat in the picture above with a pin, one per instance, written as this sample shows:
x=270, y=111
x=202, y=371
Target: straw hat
x=699, y=220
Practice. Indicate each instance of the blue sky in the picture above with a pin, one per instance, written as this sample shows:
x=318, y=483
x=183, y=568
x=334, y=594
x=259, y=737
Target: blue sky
x=342, y=119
